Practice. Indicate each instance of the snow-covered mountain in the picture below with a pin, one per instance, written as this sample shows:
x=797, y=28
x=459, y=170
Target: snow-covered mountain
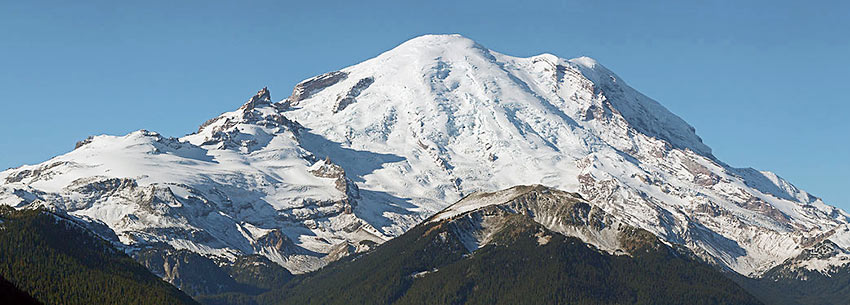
x=357, y=156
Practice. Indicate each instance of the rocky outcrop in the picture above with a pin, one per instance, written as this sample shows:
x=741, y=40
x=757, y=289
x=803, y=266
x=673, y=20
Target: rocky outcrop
x=262, y=98
x=275, y=240
x=225, y=132
x=327, y=169
x=354, y=92
x=339, y=251
x=101, y=187
x=754, y=203
x=702, y=175
x=190, y=272
x=307, y=88
x=39, y=173
x=83, y=142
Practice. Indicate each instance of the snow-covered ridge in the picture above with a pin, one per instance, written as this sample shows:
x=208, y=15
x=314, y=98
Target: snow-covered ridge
x=366, y=152
x=477, y=201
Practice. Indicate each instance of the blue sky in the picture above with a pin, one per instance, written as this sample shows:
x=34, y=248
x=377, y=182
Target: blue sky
x=764, y=82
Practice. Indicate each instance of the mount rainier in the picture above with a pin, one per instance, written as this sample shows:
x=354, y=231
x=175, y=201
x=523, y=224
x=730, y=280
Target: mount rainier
x=355, y=157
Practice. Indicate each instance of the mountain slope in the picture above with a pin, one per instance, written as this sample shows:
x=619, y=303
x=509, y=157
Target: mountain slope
x=355, y=157
x=58, y=261
x=516, y=259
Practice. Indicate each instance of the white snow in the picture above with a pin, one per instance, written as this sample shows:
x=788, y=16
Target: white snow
x=474, y=202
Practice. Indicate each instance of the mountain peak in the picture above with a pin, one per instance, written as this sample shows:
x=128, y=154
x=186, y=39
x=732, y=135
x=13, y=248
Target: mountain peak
x=585, y=61
x=264, y=94
x=434, y=46
x=263, y=97
x=438, y=39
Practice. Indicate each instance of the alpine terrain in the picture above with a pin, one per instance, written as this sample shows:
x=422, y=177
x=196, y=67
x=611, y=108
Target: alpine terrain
x=355, y=157
x=516, y=247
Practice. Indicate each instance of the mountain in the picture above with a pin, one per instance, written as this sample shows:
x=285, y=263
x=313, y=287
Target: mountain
x=355, y=157
x=516, y=247
x=57, y=260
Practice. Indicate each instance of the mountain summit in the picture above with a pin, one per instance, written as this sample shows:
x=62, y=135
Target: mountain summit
x=357, y=156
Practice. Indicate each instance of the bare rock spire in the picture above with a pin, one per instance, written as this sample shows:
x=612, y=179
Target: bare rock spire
x=263, y=97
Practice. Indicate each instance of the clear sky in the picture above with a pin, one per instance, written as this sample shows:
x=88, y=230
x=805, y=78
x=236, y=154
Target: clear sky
x=765, y=83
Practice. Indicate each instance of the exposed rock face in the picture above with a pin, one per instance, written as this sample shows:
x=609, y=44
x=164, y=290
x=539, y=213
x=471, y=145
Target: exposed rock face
x=224, y=131
x=83, y=142
x=307, y=88
x=101, y=187
x=262, y=98
x=187, y=270
x=327, y=169
x=277, y=242
x=41, y=172
x=354, y=92
x=339, y=251
x=701, y=175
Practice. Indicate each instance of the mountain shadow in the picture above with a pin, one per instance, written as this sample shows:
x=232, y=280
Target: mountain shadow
x=58, y=261
x=9, y=294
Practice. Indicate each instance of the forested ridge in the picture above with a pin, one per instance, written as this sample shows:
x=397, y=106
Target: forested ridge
x=59, y=262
